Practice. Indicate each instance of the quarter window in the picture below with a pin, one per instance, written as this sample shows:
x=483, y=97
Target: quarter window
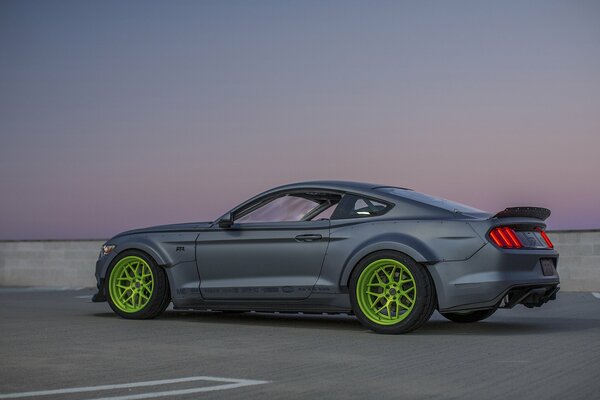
x=353, y=206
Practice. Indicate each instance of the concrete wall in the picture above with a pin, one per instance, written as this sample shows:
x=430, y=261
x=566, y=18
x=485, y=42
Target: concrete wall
x=71, y=263
x=579, y=262
x=53, y=263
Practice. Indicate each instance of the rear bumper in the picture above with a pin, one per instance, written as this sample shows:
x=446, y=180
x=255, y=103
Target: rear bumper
x=491, y=275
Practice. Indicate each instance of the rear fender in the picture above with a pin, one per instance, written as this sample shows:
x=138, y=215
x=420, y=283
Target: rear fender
x=402, y=243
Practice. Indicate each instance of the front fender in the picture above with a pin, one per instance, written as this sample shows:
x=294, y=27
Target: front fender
x=167, y=249
x=104, y=262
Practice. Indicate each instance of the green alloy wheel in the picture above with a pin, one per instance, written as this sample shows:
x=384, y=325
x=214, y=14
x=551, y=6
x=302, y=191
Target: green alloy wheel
x=386, y=291
x=137, y=287
x=391, y=293
x=131, y=284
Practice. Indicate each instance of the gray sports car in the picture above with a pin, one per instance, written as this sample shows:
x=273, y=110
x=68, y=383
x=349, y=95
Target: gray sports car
x=389, y=255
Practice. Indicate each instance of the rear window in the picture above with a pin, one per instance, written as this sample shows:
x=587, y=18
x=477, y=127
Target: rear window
x=431, y=200
x=353, y=206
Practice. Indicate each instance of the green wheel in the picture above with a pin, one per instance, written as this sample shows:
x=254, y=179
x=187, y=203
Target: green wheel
x=137, y=287
x=391, y=293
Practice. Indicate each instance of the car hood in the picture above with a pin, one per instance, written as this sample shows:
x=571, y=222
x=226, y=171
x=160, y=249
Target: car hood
x=185, y=227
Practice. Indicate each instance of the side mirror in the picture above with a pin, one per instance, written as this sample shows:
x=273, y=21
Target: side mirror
x=226, y=221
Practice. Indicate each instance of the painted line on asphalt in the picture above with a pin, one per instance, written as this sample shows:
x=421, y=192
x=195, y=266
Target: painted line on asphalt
x=596, y=295
x=230, y=383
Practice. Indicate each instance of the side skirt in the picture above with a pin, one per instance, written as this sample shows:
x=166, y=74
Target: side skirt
x=338, y=303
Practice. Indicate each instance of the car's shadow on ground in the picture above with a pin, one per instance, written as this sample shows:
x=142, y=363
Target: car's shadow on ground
x=436, y=326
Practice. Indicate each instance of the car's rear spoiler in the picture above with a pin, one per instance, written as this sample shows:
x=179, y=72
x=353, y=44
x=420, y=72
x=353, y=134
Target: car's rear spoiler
x=528, y=212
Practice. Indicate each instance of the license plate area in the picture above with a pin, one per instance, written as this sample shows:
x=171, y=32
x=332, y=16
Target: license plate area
x=548, y=268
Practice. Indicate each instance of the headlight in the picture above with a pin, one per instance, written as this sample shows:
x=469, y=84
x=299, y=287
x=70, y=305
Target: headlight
x=106, y=249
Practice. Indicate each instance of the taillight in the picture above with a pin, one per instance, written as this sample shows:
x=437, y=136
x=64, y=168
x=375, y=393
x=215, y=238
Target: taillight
x=546, y=238
x=508, y=238
x=505, y=238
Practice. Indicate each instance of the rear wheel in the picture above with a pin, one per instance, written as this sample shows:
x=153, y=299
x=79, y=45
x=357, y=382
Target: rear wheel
x=469, y=316
x=391, y=293
x=137, y=286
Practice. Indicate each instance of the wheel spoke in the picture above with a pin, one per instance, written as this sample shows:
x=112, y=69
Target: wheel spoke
x=393, y=273
x=408, y=298
x=388, y=276
x=128, y=300
x=129, y=271
x=377, y=300
x=399, y=303
x=384, y=306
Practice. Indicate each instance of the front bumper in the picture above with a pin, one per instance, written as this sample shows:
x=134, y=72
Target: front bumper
x=492, y=274
x=101, y=267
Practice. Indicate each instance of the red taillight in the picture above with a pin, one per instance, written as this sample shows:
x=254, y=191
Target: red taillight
x=546, y=239
x=505, y=238
x=513, y=237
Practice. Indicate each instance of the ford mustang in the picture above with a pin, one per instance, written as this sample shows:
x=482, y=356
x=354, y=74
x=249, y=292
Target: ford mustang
x=388, y=255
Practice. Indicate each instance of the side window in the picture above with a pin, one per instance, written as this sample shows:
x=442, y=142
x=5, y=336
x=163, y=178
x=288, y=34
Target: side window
x=353, y=206
x=325, y=214
x=285, y=208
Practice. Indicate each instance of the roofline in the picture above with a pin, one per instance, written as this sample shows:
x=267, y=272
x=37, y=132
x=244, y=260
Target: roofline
x=334, y=184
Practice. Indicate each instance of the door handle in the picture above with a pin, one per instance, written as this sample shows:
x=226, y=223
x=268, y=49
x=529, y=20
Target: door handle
x=308, y=238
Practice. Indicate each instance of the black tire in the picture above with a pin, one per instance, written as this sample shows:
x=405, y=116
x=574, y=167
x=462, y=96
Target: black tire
x=468, y=317
x=424, y=302
x=160, y=297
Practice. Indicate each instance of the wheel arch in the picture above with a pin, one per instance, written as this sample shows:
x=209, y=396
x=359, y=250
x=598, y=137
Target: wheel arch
x=412, y=248
x=137, y=246
x=144, y=248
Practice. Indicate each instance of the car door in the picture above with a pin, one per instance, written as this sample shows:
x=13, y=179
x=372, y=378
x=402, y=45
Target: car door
x=270, y=253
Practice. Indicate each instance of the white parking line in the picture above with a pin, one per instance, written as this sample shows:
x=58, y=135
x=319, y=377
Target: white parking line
x=230, y=383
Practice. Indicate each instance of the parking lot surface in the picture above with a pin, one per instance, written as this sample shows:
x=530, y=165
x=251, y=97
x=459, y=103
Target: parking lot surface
x=59, y=345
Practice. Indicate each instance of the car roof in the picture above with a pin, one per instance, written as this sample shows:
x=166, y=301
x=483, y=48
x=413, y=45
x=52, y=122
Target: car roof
x=335, y=185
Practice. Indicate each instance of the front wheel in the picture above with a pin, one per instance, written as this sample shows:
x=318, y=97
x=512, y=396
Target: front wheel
x=391, y=293
x=137, y=288
x=469, y=316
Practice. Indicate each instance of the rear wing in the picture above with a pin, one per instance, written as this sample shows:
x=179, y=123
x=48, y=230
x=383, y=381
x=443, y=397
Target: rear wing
x=528, y=212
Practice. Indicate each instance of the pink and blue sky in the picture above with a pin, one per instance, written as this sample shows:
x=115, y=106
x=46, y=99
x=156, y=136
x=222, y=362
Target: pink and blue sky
x=116, y=115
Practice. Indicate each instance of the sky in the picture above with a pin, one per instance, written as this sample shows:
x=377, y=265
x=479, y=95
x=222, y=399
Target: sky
x=116, y=115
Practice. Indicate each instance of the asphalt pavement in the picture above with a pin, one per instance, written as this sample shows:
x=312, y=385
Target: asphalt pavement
x=59, y=345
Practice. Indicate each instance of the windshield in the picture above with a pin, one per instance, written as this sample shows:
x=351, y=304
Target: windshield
x=431, y=200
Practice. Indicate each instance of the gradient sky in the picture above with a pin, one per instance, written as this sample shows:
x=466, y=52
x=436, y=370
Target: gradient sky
x=116, y=114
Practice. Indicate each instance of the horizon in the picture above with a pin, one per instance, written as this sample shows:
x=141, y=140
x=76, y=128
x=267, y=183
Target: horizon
x=117, y=115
